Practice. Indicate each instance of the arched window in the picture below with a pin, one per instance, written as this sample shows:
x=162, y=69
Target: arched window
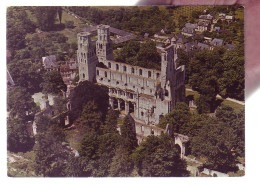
x=83, y=75
x=133, y=70
x=157, y=75
x=117, y=67
x=166, y=93
x=140, y=72
x=124, y=68
x=149, y=74
x=105, y=73
x=109, y=65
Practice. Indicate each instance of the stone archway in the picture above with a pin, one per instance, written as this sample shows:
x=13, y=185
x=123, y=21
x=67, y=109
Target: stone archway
x=178, y=147
x=181, y=141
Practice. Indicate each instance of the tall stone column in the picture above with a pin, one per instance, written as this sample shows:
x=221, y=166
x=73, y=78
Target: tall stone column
x=111, y=102
x=126, y=107
x=118, y=103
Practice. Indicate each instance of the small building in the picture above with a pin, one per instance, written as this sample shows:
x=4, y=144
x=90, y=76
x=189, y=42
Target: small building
x=230, y=47
x=216, y=43
x=229, y=18
x=49, y=63
x=203, y=26
x=69, y=70
x=190, y=25
x=202, y=46
x=164, y=31
x=146, y=35
x=208, y=18
x=216, y=29
x=188, y=31
x=189, y=46
x=179, y=41
x=221, y=16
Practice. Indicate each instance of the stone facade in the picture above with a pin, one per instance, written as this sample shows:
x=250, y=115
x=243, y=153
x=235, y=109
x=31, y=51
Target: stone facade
x=146, y=94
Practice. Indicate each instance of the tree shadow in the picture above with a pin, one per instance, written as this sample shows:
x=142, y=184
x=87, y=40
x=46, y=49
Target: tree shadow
x=217, y=104
x=58, y=27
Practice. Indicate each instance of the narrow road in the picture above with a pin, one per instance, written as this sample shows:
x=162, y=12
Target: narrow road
x=218, y=96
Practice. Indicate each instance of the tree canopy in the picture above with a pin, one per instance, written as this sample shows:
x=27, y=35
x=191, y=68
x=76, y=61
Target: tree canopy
x=143, y=55
x=53, y=83
x=157, y=157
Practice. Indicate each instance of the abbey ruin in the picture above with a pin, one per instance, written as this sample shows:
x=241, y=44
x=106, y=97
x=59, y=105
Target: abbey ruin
x=146, y=94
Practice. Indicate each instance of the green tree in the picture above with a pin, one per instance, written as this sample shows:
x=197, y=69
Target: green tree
x=148, y=56
x=122, y=165
x=107, y=149
x=128, y=134
x=177, y=118
x=157, y=157
x=91, y=117
x=18, y=136
x=85, y=92
x=26, y=74
x=89, y=147
x=53, y=83
x=46, y=17
x=110, y=124
x=51, y=155
x=216, y=141
x=20, y=103
x=18, y=25
x=129, y=50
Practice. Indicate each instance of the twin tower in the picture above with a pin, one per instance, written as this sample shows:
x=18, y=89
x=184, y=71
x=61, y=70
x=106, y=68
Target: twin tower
x=90, y=53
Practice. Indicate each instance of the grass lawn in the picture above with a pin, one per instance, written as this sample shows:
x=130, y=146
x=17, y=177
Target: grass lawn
x=73, y=137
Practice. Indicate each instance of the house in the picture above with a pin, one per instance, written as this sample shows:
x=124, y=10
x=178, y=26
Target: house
x=158, y=35
x=179, y=41
x=221, y=16
x=216, y=29
x=188, y=31
x=207, y=39
x=49, y=63
x=164, y=31
x=190, y=25
x=229, y=18
x=146, y=35
x=202, y=46
x=230, y=47
x=69, y=70
x=207, y=18
x=216, y=43
x=189, y=46
x=203, y=26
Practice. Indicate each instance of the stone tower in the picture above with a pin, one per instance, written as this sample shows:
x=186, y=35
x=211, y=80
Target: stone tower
x=87, y=59
x=104, y=46
x=168, y=73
